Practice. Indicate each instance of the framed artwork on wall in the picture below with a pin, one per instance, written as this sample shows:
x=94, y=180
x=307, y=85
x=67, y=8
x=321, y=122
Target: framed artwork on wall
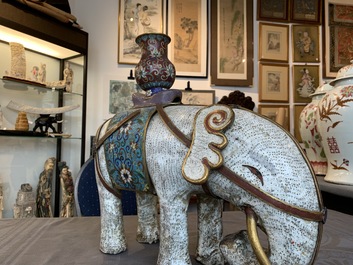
x=306, y=43
x=120, y=95
x=231, y=43
x=273, y=82
x=337, y=36
x=146, y=16
x=277, y=113
x=297, y=110
x=272, y=10
x=306, y=78
x=187, y=25
x=273, y=42
x=308, y=11
x=198, y=97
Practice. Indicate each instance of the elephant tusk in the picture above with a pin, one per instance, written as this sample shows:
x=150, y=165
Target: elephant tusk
x=254, y=238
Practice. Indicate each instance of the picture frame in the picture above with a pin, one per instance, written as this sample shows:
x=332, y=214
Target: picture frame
x=187, y=23
x=198, y=97
x=310, y=12
x=120, y=95
x=232, y=50
x=273, y=10
x=134, y=19
x=306, y=78
x=273, y=42
x=276, y=113
x=337, y=34
x=273, y=82
x=306, y=43
x=297, y=111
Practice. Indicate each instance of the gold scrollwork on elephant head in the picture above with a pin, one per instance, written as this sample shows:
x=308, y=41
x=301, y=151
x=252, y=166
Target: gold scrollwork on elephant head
x=208, y=140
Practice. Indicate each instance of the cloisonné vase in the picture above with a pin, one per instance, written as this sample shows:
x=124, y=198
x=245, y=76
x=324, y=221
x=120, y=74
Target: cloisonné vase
x=309, y=131
x=154, y=72
x=335, y=125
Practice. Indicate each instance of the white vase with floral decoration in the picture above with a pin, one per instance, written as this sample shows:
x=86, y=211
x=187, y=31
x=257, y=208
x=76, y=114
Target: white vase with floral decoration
x=309, y=131
x=335, y=125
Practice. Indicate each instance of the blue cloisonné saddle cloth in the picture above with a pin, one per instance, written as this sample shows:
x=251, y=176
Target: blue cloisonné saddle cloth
x=125, y=151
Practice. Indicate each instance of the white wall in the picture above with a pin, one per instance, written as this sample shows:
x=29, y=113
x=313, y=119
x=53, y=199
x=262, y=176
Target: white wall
x=100, y=20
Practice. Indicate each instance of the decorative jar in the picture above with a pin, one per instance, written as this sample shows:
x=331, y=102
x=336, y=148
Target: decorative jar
x=335, y=125
x=154, y=72
x=309, y=131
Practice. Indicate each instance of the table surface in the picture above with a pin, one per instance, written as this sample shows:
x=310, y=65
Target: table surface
x=71, y=241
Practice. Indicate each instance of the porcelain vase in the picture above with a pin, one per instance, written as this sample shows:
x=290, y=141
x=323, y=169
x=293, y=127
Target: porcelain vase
x=309, y=132
x=154, y=72
x=335, y=125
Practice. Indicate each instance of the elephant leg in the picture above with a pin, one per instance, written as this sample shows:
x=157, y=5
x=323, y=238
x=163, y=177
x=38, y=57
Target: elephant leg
x=112, y=238
x=173, y=248
x=210, y=230
x=147, y=229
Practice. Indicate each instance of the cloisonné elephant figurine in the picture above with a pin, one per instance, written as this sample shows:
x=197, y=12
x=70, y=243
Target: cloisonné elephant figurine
x=217, y=153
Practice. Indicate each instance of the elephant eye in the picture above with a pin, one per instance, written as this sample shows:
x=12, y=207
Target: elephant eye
x=256, y=172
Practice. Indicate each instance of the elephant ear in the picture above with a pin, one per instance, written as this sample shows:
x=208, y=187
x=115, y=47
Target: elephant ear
x=208, y=140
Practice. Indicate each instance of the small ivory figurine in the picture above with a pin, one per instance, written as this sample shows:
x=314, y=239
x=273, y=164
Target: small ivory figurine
x=25, y=206
x=44, y=189
x=67, y=191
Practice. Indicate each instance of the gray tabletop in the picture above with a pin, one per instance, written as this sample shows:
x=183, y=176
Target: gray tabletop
x=76, y=241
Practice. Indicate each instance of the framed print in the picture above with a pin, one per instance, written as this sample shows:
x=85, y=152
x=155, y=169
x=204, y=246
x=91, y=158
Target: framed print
x=277, y=113
x=297, y=110
x=145, y=16
x=306, y=43
x=232, y=43
x=120, y=95
x=308, y=11
x=306, y=78
x=273, y=83
x=273, y=42
x=187, y=25
x=272, y=10
x=337, y=36
x=198, y=97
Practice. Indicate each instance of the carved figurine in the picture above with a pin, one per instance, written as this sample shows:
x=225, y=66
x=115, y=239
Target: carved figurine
x=42, y=74
x=215, y=152
x=18, y=60
x=44, y=189
x=45, y=121
x=67, y=191
x=25, y=206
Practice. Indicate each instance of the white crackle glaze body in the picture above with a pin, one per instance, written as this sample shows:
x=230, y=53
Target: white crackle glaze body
x=253, y=141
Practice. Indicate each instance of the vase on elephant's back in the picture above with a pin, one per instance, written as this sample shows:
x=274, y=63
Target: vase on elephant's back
x=336, y=127
x=154, y=72
x=309, y=131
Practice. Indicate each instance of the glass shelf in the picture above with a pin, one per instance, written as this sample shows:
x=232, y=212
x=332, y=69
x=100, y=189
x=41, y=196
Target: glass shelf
x=16, y=133
x=24, y=85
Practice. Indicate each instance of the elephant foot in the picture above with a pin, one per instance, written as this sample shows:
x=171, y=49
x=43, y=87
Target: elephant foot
x=175, y=261
x=236, y=249
x=147, y=235
x=216, y=258
x=113, y=249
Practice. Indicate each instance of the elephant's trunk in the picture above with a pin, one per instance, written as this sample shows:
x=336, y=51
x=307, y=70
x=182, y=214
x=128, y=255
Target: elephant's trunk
x=254, y=238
